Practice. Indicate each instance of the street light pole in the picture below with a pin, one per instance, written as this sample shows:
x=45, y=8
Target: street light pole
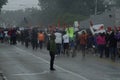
x=96, y=7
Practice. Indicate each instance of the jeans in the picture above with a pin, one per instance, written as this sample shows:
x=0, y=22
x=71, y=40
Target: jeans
x=41, y=44
x=113, y=52
x=58, y=48
x=101, y=49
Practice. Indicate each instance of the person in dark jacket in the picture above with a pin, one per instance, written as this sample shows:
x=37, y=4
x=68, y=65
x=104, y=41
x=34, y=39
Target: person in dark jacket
x=52, y=51
x=34, y=40
x=27, y=38
x=107, y=46
x=1, y=36
x=13, y=37
x=112, y=46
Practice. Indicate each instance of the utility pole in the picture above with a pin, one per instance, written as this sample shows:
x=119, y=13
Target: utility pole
x=96, y=1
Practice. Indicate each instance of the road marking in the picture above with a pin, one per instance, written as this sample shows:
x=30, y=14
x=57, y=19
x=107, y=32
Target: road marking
x=65, y=70
x=30, y=74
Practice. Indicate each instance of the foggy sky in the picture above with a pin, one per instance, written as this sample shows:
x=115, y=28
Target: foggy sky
x=20, y=4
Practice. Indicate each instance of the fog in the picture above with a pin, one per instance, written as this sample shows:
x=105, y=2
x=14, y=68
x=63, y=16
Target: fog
x=20, y=4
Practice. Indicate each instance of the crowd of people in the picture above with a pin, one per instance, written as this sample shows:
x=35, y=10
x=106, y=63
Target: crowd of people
x=59, y=42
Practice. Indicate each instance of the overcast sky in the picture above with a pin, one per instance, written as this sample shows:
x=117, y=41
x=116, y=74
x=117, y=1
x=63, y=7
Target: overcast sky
x=20, y=4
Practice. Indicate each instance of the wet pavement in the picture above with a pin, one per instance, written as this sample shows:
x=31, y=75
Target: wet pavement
x=20, y=63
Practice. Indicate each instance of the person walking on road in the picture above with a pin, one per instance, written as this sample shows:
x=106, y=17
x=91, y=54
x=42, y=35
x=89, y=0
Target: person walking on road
x=34, y=40
x=27, y=38
x=83, y=42
x=13, y=37
x=41, y=39
x=101, y=42
x=66, y=43
x=1, y=36
x=112, y=46
x=58, y=42
x=52, y=50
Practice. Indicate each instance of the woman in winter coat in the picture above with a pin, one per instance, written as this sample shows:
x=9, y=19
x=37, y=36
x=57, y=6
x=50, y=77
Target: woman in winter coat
x=101, y=42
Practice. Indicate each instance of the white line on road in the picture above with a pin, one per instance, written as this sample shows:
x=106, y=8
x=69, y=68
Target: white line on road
x=65, y=70
x=30, y=74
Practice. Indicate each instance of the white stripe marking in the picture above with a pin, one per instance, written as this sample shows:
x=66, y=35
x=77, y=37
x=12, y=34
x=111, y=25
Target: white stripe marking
x=70, y=72
x=30, y=74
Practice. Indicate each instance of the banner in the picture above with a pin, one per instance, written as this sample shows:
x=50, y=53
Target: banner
x=80, y=32
x=76, y=26
x=99, y=28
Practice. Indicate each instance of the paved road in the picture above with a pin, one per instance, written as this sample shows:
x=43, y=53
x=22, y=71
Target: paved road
x=20, y=63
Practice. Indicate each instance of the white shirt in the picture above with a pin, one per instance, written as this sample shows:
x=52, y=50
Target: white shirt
x=6, y=35
x=58, y=38
x=66, y=38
